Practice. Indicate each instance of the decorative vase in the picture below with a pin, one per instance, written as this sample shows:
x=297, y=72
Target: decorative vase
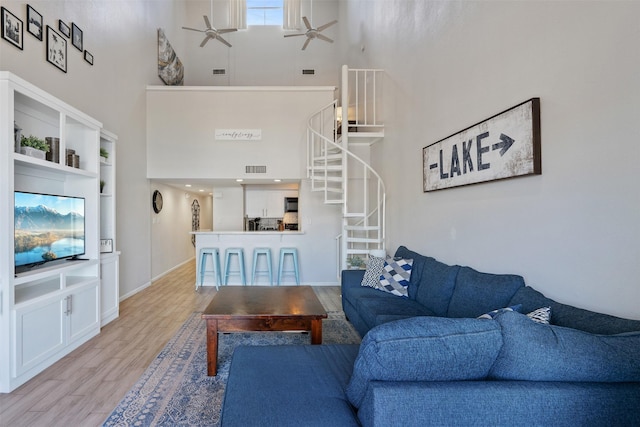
x=17, y=135
x=32, y=152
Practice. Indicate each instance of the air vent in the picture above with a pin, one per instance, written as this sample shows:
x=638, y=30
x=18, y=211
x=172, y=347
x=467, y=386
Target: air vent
x=219, y=71
x=255, y=169
x=308, y=71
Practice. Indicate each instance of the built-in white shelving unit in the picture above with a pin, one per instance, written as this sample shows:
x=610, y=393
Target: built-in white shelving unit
x=109, y=256
x=46, y=312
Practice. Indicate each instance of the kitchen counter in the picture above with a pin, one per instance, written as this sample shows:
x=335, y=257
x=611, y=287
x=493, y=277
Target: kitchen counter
x=248, y=240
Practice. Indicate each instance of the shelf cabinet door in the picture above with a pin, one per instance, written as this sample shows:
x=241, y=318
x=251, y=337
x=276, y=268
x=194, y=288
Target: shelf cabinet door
x=109, y=296
x=83, y=311
x=39, y=333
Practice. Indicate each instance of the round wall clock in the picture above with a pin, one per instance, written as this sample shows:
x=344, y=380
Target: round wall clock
x=157, y=201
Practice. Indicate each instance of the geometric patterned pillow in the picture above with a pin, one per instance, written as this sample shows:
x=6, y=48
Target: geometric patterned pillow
x=372, y=274
x=541, y=315
x=395, y=276
x=492, y=314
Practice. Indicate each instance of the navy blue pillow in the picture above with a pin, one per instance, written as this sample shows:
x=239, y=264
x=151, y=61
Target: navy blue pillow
x=425, y=349
x=537, y=352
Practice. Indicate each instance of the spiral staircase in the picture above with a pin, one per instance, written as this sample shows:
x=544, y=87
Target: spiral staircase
x=339, y=137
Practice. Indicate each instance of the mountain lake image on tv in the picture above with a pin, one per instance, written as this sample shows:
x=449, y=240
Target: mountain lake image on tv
x=47, y=228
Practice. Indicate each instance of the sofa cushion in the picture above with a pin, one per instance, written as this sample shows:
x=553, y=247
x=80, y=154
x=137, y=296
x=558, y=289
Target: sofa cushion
x=476, y=293
x=425, y=349
x=536, y=352
x=416, y=268
x=573, y=317
x=370, y=307
x=436, y=286
x=395, y=276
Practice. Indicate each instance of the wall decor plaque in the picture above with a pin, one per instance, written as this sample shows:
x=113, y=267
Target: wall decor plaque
x=504, y=146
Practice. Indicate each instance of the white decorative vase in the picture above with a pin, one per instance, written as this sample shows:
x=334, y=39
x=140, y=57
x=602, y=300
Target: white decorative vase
x=32, y=152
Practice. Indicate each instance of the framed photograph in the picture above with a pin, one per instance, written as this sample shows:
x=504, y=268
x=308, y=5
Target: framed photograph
x=88, y=57
x=106, y=246
x=56, y=49
x=504, y=146
x=11, y=28
x=64, y=28
x=76, y=37
x=34, y=22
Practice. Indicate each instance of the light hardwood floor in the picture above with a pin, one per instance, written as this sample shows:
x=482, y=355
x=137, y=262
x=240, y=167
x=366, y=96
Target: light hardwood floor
x=85, y=386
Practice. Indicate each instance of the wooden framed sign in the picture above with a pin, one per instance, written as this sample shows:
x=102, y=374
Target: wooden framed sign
x=506, y=145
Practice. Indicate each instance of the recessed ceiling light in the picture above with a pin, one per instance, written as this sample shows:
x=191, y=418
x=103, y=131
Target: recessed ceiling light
x=187, y=185
x=201, y=190
x=239, y=180
x=277, y=180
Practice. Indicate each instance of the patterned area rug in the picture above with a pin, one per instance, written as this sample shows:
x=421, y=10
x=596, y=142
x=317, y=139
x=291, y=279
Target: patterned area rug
x=175, y=389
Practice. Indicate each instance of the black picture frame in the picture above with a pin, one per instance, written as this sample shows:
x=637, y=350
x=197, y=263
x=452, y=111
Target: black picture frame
x=64, y=28
x=56, y=49
x=76, y=37
x=12, y=28
x=88, y=57
x=34, y=22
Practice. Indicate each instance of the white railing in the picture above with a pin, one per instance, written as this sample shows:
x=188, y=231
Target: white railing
x=360, y=97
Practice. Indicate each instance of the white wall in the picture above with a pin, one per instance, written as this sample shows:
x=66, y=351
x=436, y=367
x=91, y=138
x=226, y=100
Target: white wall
x=228, y=206
x=122, y=36
x=572, y=232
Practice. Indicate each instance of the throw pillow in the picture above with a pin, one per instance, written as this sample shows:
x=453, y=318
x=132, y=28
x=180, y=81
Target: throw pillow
x=424, y=348
x=372, y=274
x=541, y=315
x=535, y=352
x=395, y=276
x=492, y=314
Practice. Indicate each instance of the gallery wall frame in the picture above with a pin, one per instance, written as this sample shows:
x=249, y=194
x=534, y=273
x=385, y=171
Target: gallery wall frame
x=56, y=49
x=34, y=22
x=12, y=28
x=76, y=37
x=64, y=28
x=88, y=57
x=506, y=145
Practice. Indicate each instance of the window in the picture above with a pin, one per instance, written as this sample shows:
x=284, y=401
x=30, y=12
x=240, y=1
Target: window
x=264, y=12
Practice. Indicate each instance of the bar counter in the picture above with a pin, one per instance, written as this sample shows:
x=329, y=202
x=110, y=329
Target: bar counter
x=248, y=240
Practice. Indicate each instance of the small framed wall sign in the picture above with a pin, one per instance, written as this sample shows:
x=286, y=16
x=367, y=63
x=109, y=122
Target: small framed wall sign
x=11, y=28
x=56, y=49
x=88, y=57
x=34, y=22
x=106, y=246
x=504, y=146
x=76, y=37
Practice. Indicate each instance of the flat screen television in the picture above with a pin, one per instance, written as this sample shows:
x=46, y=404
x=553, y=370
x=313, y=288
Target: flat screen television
x=47, y=227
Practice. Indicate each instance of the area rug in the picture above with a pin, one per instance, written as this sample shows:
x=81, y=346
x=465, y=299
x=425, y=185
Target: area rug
x=176, y=391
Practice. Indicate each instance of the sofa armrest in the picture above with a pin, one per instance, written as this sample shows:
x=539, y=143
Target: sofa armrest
x=458, y=403
x=351, y=278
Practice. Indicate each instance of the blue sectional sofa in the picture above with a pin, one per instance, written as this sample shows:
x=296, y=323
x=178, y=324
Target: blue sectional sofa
x=426, y=359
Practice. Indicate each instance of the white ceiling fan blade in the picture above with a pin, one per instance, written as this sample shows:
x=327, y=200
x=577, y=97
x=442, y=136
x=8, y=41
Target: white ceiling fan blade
x=306, y=43
x=206, y=21
x=193, y=29
x=293, y=35
x=327, y=25
x=306, y=23
x=223, y=41
x=227, y=30
x=206, y=39
x=325, y=38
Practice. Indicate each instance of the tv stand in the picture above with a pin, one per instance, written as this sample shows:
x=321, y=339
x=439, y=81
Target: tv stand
x=75, y=258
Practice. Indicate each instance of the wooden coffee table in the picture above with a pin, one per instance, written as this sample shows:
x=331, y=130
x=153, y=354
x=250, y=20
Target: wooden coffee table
x=259, y=308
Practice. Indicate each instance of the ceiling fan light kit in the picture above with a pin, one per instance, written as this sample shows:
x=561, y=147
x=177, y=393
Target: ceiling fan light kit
x=313, y=33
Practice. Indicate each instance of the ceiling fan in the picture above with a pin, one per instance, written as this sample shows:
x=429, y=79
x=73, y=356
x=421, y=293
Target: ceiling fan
x=212, y=33
x=313, y=33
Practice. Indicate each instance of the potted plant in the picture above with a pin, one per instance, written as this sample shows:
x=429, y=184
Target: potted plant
x=33, y=146
x=104, y=154
x=102, y=185
x=355, y=262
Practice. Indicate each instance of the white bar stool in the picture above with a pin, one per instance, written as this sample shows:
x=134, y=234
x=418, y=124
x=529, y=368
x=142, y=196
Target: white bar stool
x=215, y=260
x=293, y=252
x=239, y=252
x=255, y=272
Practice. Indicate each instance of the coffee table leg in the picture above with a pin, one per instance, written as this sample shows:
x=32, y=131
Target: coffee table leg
x=316, y=331
x=212, y=347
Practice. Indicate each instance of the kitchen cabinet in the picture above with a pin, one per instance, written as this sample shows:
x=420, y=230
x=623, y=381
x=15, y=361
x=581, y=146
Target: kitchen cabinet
x=266, y=203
